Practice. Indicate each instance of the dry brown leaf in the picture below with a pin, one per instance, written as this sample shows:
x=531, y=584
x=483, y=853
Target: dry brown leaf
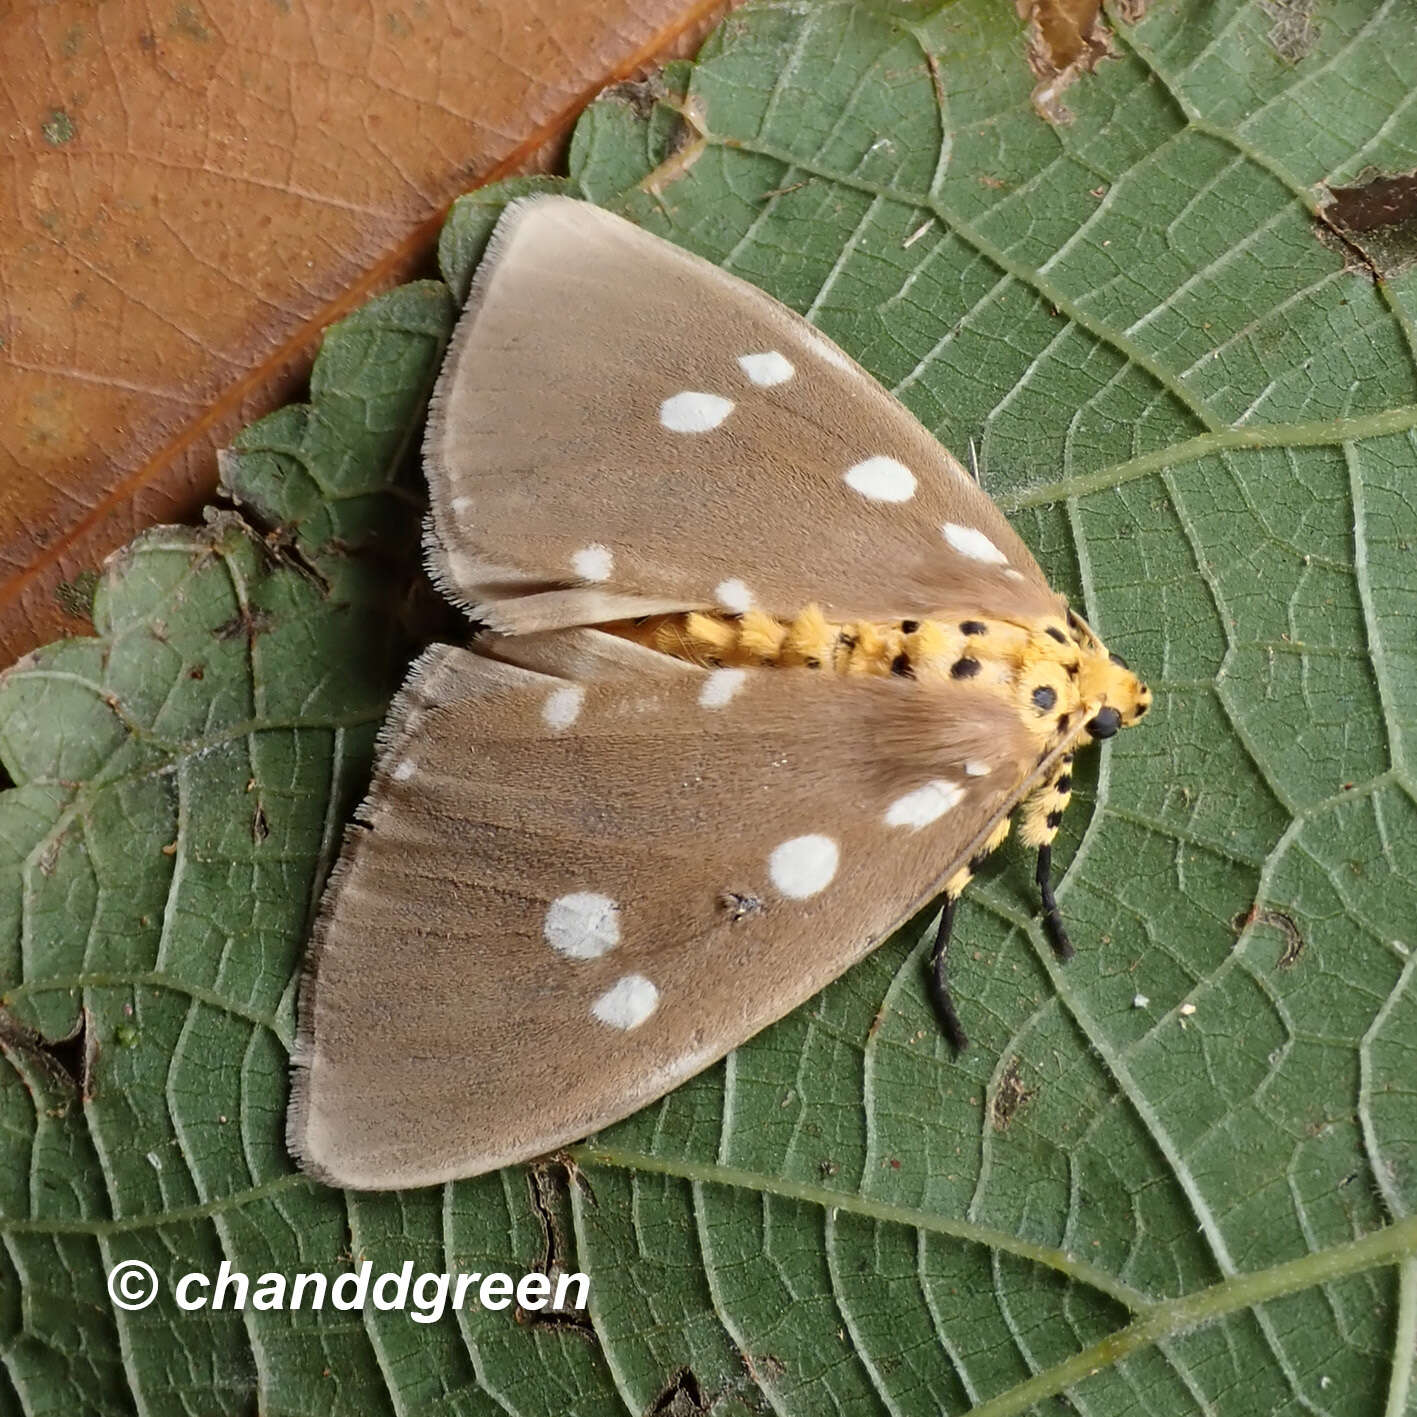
x=197, y=190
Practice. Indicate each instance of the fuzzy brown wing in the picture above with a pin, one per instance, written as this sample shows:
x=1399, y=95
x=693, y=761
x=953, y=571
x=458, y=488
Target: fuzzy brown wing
x=622, y=428
x=567, y=895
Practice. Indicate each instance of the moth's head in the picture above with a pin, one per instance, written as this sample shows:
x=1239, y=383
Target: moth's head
x=1106, y=676
x=1125, y=697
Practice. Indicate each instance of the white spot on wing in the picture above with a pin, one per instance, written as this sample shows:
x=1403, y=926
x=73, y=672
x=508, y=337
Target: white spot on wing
x=973, y=543
x=593, y=563
x=925, y=805
x=582, y=925
x=461, y=504
x=563, y=707
x=975, y=768
x=804, y=865
x=720, y=687
x=627, y=1003
x=1014, y=575
x=404, y=771
x=768, y=369
x=882, y=479
x=733, y=596
x=691, y=412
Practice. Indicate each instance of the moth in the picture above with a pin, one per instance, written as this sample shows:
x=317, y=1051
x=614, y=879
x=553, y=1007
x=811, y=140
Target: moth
x=759, y=671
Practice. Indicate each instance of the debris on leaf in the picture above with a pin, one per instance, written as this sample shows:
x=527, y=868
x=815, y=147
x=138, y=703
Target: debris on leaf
x=1066, y=38
x=1293, y=33
x=681, y=1396
x=1279, y=920
x=1009, y=1097
x=68, y=1060
x=641, y=94
x=1374, y=223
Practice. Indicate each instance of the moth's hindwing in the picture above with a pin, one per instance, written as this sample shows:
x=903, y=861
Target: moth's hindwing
x=567, y=895
x=622, y=428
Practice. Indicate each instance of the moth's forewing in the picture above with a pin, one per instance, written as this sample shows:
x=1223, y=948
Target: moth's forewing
x=560, y=496
x=454, y=1021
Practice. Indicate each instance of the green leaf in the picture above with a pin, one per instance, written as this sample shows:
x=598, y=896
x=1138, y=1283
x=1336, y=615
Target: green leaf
x=1179, y=1173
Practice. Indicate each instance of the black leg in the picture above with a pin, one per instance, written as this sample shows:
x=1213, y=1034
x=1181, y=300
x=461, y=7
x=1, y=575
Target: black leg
x=939, y=984
x=1052, y=920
